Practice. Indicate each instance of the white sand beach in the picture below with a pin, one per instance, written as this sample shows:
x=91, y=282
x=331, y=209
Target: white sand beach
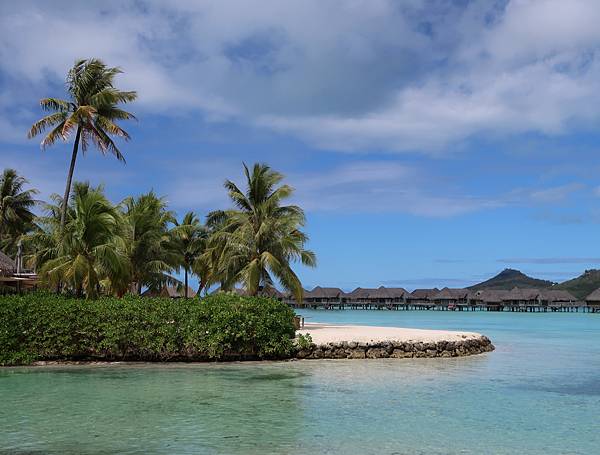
x=332, y=333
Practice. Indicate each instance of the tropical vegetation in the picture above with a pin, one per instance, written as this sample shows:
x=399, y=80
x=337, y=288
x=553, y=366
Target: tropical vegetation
x=16, y=209
x=91, y=111
x=84, y=245
x=223, y=327
x=140, y=245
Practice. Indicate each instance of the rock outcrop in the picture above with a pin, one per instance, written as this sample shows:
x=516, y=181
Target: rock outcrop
x=395, y=349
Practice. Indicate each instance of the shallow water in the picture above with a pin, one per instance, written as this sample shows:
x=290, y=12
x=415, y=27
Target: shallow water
x=538, y=393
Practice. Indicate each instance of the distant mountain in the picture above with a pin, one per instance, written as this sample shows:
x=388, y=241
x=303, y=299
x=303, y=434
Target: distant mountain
x=510, y=278
x=583, y=285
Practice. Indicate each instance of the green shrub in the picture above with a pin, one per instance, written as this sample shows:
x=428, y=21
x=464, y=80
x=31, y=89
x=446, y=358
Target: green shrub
x=221, y=327
x=304, y=341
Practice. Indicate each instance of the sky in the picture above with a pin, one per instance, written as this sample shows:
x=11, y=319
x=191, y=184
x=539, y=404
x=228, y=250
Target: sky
x=431, y=143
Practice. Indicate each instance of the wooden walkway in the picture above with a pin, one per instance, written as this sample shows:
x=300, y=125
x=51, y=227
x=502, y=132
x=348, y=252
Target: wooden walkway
x=574, y=307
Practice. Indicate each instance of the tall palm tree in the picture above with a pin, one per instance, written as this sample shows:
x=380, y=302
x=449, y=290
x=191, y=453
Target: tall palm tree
x=146, y=223
x=91, y=248
x=91, y=111
x=16, y=204
x=189, y=243
x=261, y=238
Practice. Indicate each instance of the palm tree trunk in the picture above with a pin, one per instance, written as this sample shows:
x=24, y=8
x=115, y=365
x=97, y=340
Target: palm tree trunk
x=65, y=202
x=185, y=274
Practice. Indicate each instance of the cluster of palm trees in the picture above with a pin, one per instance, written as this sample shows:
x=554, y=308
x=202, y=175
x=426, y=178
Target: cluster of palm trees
x=84, y=244
x=138, y=244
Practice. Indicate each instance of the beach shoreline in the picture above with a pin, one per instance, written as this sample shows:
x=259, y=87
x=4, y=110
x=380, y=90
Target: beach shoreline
x=336, y=341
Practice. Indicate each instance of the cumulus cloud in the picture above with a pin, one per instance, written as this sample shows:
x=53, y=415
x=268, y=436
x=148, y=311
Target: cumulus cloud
x=376, y=74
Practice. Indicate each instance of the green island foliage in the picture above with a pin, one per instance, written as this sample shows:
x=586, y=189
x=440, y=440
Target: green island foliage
x=41, y=326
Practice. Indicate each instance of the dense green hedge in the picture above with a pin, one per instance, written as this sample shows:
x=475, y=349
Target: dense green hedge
x=221, y=327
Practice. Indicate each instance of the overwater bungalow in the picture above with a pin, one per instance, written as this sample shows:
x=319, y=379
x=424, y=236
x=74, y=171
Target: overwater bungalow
x=421, y=298
x=383, y=296
x=523, y=299
x=557, y=300
x=593, y=301
x=359, y=297
x=451, y=298
x=490, y=299
x=326, y=296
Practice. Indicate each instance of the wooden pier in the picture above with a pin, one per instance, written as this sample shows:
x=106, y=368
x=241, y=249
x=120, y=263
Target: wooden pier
x=398, y=299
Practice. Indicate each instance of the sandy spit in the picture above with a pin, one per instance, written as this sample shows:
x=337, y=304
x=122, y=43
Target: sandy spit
x=332, y=333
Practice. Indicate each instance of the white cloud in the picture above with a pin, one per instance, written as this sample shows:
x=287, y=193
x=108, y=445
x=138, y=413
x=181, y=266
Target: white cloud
x=365, y=75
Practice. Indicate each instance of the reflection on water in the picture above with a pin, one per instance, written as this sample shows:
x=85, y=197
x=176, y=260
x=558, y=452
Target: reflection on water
x=538, y=393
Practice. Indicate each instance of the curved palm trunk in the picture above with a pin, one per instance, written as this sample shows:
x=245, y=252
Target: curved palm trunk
x=65, y=202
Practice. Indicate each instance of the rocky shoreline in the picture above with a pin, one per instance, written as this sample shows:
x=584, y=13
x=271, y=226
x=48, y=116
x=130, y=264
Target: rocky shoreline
x=396, y=349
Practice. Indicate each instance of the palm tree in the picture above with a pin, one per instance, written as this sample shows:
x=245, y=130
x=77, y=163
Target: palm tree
x=146, y=223
x=91, y=249
x=258, y=241
x=16, y=204
x=189, y=242
x=92, y=111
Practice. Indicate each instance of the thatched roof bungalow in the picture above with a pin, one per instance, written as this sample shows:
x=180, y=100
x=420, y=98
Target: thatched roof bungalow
x=359, y=295
x=172, y=292
x=488, y=296
x=385, y=295
x=421, y=295
x=523, y=297
x=323, y=295
x=449, y=296
x=7, y=265
x=557, y=297
x=593, y=300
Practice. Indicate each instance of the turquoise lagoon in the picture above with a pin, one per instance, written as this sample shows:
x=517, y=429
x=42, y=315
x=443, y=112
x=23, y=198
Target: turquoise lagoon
x=538, y=393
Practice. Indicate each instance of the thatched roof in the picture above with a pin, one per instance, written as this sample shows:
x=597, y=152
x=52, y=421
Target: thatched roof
x=420, y=294
x=522, y=294
x=380, y=293
x=7, y=265
x=557, y=295
x=451, y=294
x=594, y=296
x=169, y=291
x=397, y=293
x=323, y=293
x=489, y=295
x=360, y=293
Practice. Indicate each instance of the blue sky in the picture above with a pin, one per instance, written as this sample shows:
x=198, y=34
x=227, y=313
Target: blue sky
x=430, y=142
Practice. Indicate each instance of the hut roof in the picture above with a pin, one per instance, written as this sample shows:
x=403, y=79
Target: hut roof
x=448, y=293
x=490, y=295
x=170, y=291
x=360, y=293
x=324, y=293
x=558, y=295
x=522, y=294
x=398, y=293
x=380, y=293
x=423, y=293
x=594, y=296
x=7, y=265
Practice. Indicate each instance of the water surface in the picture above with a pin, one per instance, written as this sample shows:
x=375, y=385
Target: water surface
x=538, y=393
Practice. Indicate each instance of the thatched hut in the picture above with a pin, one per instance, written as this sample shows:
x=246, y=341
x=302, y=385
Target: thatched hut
x=7, y=265
x=359, y=296
x=490, y=298
x=421, y=296
x=323, y=295
x=522, y=298
x=172, y=292
x=451, y=297
x=593, y=300
x=557, y=298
